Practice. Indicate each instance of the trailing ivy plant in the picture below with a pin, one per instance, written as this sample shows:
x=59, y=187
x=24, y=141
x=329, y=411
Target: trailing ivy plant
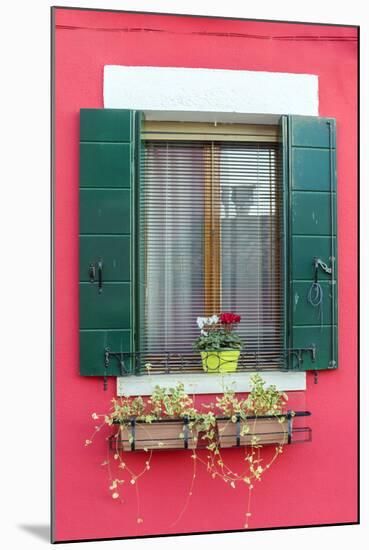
x=175, y=403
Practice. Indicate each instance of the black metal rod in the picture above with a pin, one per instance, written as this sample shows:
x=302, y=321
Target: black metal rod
x=100, y=275
x=91, y=273
x=190, y=352
x=292, y=414
x=307, y=431
x=106, y=367
x=185, y=431
x=133, y=434
x=238, y=430
x=289, y=427
x=186, y=358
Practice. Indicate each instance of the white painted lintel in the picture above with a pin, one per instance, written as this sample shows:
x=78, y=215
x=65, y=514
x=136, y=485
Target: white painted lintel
x=221, y=95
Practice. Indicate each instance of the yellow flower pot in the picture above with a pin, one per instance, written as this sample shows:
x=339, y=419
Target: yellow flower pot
x=220, y=361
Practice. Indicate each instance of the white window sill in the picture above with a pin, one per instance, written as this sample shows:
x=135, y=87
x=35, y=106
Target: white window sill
x=202, y=383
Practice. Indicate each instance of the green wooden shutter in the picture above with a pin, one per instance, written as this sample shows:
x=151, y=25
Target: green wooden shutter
x=108, y=163
x=309, y=146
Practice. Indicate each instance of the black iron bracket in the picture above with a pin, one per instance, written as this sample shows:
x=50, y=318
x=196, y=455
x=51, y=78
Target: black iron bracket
x=289, y=427
x=133, y=434
x=120, y=356
x=238, y=430
x=182, y=358
x=298, y=355
x=185, y=431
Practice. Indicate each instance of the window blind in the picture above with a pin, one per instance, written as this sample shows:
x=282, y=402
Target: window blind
x=210, y=228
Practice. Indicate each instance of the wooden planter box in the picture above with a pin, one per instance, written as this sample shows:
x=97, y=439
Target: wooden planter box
x=176, y=434
x=268, y=431
x=161, y=434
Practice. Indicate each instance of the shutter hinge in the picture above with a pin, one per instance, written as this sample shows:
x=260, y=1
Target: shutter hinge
x=106, y=366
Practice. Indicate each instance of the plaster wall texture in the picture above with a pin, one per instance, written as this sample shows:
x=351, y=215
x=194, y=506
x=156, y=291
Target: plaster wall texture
x=311, y=484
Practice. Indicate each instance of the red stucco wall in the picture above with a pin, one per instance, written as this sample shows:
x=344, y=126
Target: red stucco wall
x=311, y=484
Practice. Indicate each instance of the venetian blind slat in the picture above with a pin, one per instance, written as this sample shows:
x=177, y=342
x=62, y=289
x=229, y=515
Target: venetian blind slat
x=210, y=241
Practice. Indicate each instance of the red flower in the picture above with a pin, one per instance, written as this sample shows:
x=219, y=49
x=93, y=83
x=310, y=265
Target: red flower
x=229, y=318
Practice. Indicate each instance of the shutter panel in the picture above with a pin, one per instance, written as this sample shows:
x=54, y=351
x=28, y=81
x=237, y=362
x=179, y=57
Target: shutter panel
x=108, y=151
x=309, y=145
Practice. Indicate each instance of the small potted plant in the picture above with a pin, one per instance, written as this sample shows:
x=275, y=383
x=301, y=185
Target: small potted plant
x=218, y=343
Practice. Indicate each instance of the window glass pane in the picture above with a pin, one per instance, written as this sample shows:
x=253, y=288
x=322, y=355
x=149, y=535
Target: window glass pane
x=172, y=227
x=210, y=233
x=250, y=243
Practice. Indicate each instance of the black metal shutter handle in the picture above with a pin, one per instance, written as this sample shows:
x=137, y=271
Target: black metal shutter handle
x=91, y=273
x=100, y=273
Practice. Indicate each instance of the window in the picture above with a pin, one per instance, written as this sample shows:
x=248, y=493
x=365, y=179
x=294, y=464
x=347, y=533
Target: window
x=210, y=237
x=231, y=229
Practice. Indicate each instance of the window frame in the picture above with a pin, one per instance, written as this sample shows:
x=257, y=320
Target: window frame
x=212, y=132
x=108, y=200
